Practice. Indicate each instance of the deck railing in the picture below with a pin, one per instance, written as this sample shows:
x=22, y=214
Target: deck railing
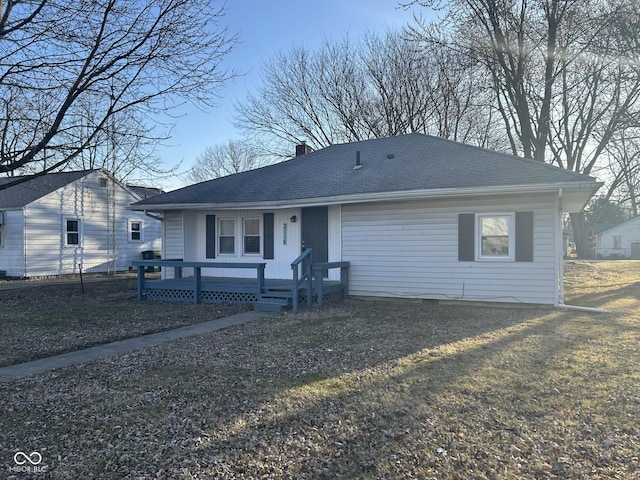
x=178, y=265
x=305, y=259
x=320, y=270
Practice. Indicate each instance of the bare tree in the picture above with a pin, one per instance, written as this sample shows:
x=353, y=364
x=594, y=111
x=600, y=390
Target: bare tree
x=562, y=74
x=83, y=75
x=355, y=90
x=225, y=159
x=624, y=168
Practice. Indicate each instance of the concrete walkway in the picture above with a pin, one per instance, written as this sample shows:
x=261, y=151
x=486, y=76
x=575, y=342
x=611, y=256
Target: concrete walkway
x=122, y=346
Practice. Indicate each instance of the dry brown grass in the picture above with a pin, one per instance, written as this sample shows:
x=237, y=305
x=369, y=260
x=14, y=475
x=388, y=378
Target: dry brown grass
x=361, y=390
x=40, y=319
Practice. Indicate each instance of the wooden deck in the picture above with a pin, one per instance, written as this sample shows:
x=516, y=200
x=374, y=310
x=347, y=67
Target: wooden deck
x=263, y=293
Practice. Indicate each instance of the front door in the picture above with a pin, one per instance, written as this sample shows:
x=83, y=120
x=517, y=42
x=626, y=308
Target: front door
x=315, y=232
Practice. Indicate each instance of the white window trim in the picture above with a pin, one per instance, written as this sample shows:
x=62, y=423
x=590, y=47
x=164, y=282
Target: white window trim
x=130, y=231
x=65, y=232
x=260, y=236
x=219, y=235
x=512, y=237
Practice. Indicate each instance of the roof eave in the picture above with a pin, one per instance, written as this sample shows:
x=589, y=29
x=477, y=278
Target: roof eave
x=576, y=195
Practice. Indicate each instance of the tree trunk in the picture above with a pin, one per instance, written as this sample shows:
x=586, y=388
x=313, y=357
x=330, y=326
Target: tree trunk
x=581, y=236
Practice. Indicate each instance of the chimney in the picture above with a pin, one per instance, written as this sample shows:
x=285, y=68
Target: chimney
x=303, y=149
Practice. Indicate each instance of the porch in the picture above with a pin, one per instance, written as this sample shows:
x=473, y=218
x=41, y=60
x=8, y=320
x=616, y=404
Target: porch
x=308, y=284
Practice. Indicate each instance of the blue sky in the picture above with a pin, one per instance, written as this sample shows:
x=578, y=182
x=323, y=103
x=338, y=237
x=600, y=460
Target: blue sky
x=265, y=28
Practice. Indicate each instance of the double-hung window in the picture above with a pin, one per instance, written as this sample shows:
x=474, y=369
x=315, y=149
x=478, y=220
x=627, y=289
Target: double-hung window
x=72, y=231
x=135, y=231
x=227, y=237
x=495, y=234
x=251, y=236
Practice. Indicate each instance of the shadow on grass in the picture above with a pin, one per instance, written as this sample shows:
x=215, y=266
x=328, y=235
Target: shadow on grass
x=463, y=401
x=449, y=389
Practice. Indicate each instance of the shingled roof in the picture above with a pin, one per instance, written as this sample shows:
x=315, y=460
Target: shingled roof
x=413, y=162
x=32, y=188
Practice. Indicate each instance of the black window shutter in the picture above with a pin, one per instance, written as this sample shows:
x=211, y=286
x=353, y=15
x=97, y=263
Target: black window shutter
x=211, y=236
x=466, y=237
x=524, y=236
x=267, y=247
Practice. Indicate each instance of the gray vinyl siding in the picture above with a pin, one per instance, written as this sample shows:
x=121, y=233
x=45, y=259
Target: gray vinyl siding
x=172, y=239
x=410, y=250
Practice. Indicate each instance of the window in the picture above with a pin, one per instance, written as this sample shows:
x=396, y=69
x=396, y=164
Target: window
x=504, y=236
x=72, y=231
x=251, y=235
x=227, y=239
x=617, y=241
x=135, y=231
x=494, y=233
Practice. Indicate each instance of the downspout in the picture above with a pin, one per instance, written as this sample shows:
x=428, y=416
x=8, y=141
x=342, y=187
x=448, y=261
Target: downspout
x=560, y=249
x=560, y=267
x=24, y=241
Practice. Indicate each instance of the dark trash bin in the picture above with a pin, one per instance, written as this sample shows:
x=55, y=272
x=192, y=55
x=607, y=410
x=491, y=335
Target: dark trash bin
x=149, y=255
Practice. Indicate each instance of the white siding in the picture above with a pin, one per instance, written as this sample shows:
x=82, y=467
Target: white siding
x=410, y=250
x=629, y=232
x=12, y=249
x=104, y=229
x=287, y=240
x=285, y=249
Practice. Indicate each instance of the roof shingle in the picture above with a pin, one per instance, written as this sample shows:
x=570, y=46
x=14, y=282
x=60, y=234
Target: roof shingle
x=393, y=164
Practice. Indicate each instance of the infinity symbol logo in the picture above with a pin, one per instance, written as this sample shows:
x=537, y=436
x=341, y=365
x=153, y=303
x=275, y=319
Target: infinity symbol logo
x=34, y=458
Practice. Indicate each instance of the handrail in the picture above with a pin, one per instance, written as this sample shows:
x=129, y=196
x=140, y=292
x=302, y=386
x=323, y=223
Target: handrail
x=302, y=256
x=307, y=276
x=179, y=264
x=325, y=267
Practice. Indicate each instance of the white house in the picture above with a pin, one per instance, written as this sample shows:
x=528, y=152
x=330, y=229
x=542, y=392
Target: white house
x=59, y=223
x=621, y=240
x=416, y=216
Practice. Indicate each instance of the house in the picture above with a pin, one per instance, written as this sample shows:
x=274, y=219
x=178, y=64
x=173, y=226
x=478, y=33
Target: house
x=622, y=240
x=61, y=223
x=415, y=216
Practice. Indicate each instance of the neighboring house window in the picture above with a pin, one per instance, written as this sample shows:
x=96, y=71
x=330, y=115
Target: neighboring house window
x=617, y=241
x=495, y=236
x=72, y=231
x=251, y=236
x=227, y=239
x=135, y=231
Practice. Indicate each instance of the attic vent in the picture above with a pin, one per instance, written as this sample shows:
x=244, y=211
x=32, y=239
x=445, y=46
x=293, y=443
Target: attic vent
x=102, y=181
x=390, y=156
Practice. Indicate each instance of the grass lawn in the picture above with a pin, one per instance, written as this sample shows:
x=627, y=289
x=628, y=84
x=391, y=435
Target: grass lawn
x=360, y=390
x=40, y=320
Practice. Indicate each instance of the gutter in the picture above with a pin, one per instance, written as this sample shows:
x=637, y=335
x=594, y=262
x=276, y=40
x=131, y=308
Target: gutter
x=379, y=197
x=154, y=215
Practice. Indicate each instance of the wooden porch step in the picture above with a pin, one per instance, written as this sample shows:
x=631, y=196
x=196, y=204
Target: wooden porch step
x=271, y=305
